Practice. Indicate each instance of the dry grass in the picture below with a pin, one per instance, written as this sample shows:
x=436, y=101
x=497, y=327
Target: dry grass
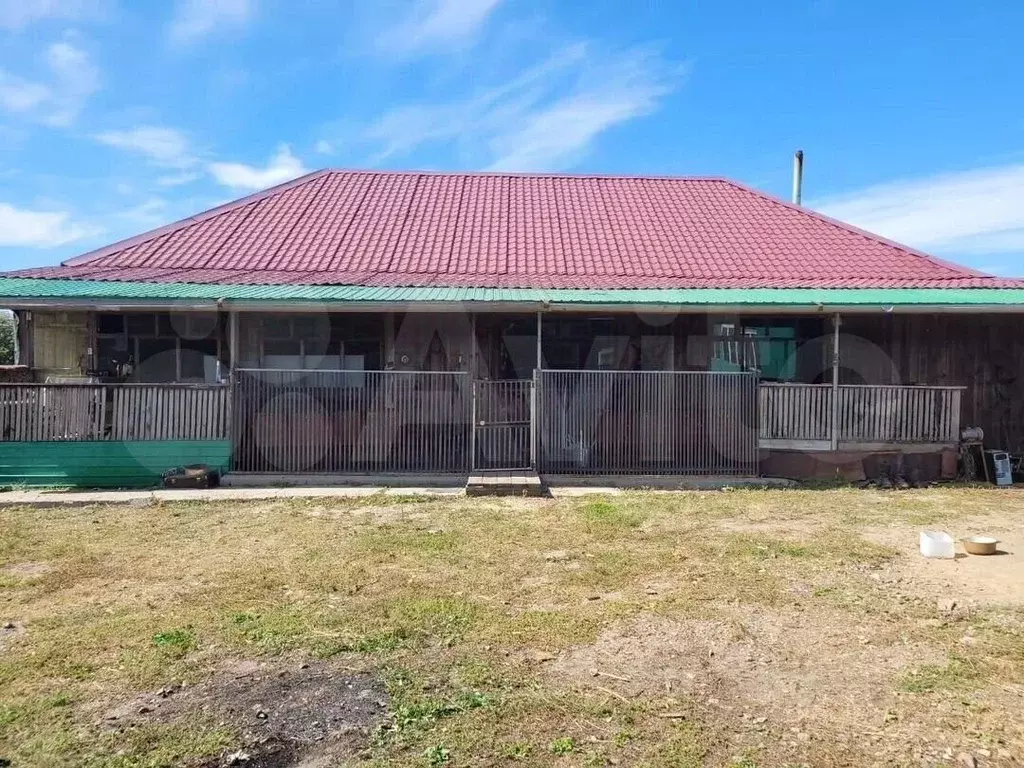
x=780, y=633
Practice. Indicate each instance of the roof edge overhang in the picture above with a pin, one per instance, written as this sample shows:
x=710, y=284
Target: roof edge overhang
x=32, y=293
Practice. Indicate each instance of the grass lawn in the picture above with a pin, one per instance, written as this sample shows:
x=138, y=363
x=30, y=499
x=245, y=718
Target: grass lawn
x=736, y=628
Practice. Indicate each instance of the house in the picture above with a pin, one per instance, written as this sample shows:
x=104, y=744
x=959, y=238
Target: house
x=353, y=322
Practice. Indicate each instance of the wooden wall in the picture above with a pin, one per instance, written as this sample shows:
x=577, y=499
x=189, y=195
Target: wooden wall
x=60, y=343
x=985, y=353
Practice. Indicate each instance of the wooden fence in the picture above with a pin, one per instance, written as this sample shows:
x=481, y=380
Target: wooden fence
x=804, y=415
x=46, y=412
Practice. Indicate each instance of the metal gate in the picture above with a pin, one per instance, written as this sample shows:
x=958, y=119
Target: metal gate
x=647, y=422
x=503, y=424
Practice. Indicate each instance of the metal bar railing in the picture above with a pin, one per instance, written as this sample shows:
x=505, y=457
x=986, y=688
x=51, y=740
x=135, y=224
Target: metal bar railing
x=619, y=422
x=351, y=421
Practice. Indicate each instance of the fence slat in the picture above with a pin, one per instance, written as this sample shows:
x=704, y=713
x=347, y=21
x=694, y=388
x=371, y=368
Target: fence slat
x=48, y=412
x=865, y=413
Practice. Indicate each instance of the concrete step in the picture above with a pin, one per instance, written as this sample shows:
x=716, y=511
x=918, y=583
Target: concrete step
x=505, y=483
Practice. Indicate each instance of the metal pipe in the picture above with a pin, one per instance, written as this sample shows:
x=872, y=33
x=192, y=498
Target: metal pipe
x=836, y=322
x=540, y=356
x=233, y=341
x=798, y=176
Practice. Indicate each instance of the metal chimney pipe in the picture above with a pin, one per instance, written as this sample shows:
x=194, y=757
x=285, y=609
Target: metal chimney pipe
x=798, y=176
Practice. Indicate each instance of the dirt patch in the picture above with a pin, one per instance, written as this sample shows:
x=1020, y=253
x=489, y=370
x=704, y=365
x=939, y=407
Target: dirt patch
x=968, y=579
x=8, y=631
x=387, y=514
x=300, y=715
x=27, y=570
x=796, y=669
x=793, y=528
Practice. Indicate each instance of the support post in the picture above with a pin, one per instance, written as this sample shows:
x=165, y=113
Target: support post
x=232, y=343
x=540, y=355
x=389, y=341
x=535, y=399
x=836, y=322
x=472, y=391
x=472, y=347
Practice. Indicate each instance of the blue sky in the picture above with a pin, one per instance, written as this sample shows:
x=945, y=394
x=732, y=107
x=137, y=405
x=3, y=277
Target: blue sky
x=118, y=116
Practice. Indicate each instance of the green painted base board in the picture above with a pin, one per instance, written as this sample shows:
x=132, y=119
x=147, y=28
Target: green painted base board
x=105, y=464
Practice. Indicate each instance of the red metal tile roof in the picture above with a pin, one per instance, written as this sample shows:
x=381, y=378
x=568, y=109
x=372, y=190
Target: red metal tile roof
x=516, y=231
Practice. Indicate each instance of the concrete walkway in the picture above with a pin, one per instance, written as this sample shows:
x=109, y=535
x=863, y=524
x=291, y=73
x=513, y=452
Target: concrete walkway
x=141, y=498
x=559, y=487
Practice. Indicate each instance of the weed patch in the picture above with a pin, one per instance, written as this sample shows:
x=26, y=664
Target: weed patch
x=175, y=643
x=957, y=675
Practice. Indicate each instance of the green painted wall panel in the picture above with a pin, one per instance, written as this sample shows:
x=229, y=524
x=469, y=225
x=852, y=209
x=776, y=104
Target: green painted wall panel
x=105, y=464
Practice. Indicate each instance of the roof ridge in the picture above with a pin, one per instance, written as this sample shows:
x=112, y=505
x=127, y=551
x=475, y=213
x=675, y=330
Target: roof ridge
x=524, y=174
x=167, y=229
x=961, y=269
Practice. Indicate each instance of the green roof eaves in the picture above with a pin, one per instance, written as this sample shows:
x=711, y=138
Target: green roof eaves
x=13, y=289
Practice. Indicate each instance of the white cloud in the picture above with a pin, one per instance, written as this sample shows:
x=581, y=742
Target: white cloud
x=165, y=147
x=195, y=19
x=178, y=179
x=435, y=24
x=18, y=14
x=324, y=147
x=73, y=79
x=148, y=214
x=39, y=229
x=283, y=166
x=971, y=212
x=20, y=95
x=543, y=119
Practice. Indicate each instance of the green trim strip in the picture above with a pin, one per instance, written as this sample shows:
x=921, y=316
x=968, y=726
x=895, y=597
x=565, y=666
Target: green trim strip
x=105, y=463
x=13, y=289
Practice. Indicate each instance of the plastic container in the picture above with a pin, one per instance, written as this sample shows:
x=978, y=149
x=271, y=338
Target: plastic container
x=937, y=544
x=1002, y=472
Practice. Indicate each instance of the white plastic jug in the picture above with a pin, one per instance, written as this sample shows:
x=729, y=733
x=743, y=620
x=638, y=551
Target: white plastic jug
x=937, y=544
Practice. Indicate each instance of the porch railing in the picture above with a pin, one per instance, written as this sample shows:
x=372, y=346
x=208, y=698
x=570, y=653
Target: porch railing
x=46, y=412
x=609, y=422
x=802, y=415
x=161, y=412
x=351, y=421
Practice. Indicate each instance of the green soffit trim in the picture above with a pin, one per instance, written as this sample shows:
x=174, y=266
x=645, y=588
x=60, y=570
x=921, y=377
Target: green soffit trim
x=13, y=289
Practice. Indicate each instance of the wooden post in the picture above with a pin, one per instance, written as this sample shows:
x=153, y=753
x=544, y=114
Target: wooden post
x=836, y=322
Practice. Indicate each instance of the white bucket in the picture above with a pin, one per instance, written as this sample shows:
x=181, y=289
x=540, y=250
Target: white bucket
x=937, y=544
